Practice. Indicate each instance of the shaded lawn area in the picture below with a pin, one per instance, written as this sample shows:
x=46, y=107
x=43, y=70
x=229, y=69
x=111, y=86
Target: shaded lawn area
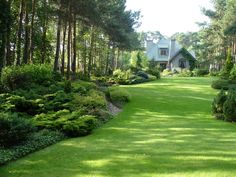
x=167, y=130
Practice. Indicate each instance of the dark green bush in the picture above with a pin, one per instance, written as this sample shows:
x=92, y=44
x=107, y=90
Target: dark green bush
x=68, y=86
x=233, y=73
x=228, y=65
x=119, y=96
x=229, y=107
x=142, y=74
x=36, y=141
x=14, y=129
x=14, y=77
x=223, y=84
x=31, y=107
x=56, y=76
x=154, y=72
x=137, y=80
x=200, y=72
x=217, y=104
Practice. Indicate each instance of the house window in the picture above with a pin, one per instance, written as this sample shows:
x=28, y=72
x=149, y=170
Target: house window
x=163, y=51
x=182, y=63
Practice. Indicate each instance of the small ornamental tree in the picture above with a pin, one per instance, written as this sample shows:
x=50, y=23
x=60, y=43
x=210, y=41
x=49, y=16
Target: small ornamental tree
x=228, y=65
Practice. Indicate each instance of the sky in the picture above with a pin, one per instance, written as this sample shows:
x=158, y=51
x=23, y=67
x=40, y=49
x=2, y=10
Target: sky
x=170, y=16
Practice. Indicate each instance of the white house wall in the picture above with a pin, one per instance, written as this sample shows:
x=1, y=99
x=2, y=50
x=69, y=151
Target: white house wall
x=175, y=63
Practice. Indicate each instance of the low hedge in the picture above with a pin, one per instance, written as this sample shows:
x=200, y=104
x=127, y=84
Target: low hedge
x=223, y=84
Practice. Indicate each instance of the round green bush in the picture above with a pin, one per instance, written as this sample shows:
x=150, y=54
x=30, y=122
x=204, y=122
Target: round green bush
x=14, y=129
x=217, y=104
x=119, y=96
x=80, y=127
x=200, y=72
x=154, y=72
x=229, y=107
x=14, y=77
x=223, y=84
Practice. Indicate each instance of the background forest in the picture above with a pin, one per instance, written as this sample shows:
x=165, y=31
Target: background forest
x=75, y=36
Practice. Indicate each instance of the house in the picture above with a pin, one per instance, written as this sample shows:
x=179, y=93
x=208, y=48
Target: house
x=167, y=53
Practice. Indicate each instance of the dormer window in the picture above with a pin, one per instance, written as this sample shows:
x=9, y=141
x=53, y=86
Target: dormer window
x=163, y=51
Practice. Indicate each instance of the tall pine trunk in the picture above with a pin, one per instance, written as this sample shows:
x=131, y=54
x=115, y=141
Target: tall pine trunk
x=56, y=61
x=19, y=33
x=91, y=51
x=74, y=46
x=31, y=45
x=44, y=35
x=69, y=44
x=63, y=48
x=26, y=45
x=107, y=58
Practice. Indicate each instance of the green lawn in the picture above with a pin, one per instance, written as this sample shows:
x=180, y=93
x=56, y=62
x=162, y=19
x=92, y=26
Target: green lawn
x=167, y=130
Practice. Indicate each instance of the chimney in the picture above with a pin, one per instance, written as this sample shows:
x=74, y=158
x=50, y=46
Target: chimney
x=172, y=47
x=171, y=51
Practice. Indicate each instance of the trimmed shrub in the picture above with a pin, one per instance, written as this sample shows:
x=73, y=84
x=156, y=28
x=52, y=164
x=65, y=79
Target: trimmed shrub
x=229, y=107
x=223, y=84
x=72, y=124
x=80, y=127
x=200, y=72
x=217, y=104
x=14, y=129
x=154, y=72
x=119, y=96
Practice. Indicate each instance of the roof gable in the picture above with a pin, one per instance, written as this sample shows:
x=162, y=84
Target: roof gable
x=185, y=53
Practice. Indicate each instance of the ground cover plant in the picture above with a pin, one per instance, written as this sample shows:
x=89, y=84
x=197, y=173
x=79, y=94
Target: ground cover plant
x=167, y=130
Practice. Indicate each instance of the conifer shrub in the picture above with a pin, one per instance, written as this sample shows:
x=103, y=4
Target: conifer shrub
x=217, y=104
x=155, y=72
x=225, y=73
x=233, y=73
x=223, y=84
x=142, y=74
x=80, y=127
x=229, y=106
x=119, y=96
x=200, y=72
x=14, y=129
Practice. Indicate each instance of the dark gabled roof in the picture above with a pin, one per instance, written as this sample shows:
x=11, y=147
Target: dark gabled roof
x=185, y=51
